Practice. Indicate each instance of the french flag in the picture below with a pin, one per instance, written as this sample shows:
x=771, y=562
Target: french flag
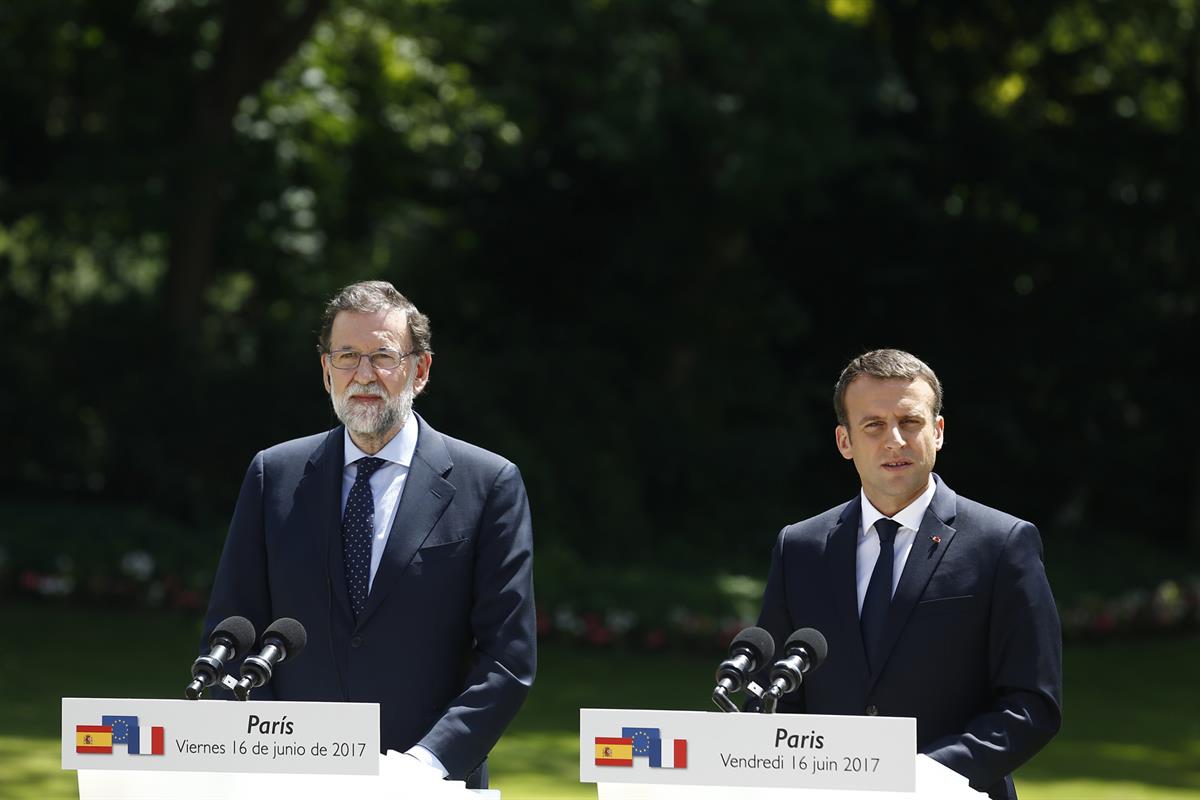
x=126, y=731
x=669, y=754
x=673, y=754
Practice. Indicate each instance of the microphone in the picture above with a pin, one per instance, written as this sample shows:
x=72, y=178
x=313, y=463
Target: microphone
x=283, y=640
x=234, y=635
x=749, y=651
x=805, y=650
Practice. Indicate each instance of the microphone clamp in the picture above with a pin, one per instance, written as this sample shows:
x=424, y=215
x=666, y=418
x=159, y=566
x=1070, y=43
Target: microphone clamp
x=805, y=650
x=204, y=664
x=256, y=670
x=232, y=637
x=750, y=650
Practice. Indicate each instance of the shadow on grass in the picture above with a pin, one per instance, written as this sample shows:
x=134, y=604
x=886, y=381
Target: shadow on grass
x=1130, y=717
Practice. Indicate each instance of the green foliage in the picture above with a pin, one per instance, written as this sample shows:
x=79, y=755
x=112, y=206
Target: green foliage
x=648, y=235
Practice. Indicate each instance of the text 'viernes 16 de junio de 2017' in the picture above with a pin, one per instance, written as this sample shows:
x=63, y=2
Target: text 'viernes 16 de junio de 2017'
x=220, y=736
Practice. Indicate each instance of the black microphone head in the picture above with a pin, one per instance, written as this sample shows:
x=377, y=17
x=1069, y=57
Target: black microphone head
x=289, y=633
x=812, y=640
x=756, y=640
x=238, y=630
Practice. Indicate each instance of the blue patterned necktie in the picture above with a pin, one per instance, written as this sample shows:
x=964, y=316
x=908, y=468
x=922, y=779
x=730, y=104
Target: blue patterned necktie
x=879, y=593
x=358, y=531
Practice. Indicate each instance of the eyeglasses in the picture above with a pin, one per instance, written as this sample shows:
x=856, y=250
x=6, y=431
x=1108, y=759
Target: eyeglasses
x=380, y=359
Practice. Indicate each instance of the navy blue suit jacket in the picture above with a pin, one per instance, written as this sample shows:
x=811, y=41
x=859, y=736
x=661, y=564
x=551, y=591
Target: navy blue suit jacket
x=972, y=641
x=447, y=641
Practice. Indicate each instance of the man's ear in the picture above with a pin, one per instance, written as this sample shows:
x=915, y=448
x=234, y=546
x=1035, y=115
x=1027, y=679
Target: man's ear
x=325, y=374
x=841, y=435
x=424, y=365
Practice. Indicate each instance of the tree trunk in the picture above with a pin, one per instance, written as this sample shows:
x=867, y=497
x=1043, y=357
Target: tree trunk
x=257, y=39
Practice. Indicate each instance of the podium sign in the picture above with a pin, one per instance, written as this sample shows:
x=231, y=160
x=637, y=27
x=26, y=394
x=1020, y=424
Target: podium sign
x=220, y=736
x=801, y=751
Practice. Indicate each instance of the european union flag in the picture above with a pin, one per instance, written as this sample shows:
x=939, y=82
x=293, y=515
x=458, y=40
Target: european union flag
x=646, y=742
x=125, y=731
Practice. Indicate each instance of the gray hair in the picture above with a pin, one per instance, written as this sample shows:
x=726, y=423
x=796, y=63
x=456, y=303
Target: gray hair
x=368, y=297
x=884, y=365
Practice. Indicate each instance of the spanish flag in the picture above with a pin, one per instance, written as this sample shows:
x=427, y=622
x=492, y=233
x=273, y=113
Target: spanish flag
x=614, y=751
x=93, y=738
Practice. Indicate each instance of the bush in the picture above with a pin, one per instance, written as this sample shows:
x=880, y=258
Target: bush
x=117, y=555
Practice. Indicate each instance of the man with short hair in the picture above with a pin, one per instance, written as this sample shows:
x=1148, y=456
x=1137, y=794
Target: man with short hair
x=933, y=606
x=406, y=554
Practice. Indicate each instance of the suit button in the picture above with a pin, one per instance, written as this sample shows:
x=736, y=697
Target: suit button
x=872, y=711
x=356, y=641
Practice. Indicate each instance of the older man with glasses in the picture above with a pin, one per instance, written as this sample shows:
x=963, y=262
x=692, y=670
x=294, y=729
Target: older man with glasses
x=406, y=554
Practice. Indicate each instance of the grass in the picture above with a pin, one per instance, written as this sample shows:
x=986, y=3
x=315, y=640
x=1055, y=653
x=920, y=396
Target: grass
x=1131, y=730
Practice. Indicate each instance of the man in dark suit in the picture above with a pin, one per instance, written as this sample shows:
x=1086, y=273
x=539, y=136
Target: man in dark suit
x=406, y=554
x=934, y=606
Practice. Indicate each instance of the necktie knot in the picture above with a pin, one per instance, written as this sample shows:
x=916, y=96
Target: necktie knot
x=367, y=467
x=886, y=529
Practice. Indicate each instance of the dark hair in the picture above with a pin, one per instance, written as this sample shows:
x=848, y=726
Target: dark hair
x=884, y=365
x=367, y=297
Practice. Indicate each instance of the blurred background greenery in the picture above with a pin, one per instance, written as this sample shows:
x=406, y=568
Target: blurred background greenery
x=649, y=234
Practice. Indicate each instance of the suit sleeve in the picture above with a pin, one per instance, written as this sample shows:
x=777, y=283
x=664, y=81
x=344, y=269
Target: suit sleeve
x=240, y=586
x=1025, y=664
x=504, y=657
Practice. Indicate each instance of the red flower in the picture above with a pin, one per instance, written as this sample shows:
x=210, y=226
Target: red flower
x=599, y=635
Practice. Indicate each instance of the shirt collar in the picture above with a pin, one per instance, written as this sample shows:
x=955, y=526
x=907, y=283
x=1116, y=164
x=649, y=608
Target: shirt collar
x=399, y=449
x=909, y=517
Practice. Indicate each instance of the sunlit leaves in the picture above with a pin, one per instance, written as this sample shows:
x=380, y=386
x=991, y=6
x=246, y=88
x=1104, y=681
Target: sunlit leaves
x=1161, y=103
x=1075, y=26
x=371, y=93
x=357, y=63
x=1133, y=52
x=60, y=274
x=855, y=12
x=1002, y=92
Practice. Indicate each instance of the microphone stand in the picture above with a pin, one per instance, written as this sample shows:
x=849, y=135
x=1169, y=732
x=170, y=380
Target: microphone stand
x=720, y=696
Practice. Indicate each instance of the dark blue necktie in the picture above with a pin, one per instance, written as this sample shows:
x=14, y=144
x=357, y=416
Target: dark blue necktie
x=358, y=531
x=879, y=593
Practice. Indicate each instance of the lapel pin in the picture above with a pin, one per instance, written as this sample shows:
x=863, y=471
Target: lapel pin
x=936, y=540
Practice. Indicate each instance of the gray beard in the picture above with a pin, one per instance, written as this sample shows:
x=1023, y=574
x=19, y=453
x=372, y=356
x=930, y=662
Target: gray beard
x=374, y=423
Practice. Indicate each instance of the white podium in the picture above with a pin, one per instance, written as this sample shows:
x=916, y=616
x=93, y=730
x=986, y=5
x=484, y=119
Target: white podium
x=934, y=782
x=400, y=778
x=130, y=749
x=690, y=755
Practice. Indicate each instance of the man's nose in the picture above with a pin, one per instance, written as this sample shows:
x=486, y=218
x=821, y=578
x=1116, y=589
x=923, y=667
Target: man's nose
x=364, y=372
x=895, y=437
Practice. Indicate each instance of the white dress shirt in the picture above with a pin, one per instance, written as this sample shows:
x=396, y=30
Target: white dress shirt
x=387, y=487
x=909, y=518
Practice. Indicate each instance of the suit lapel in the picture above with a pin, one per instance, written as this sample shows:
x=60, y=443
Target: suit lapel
x=841, y=554
x=325, y=471
x=923, y=559
x=426, y=495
